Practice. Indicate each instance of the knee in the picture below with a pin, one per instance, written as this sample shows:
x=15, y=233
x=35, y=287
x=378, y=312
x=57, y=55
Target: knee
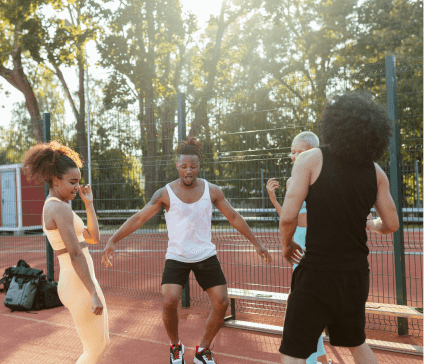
x=170, y=302
x=222, y=304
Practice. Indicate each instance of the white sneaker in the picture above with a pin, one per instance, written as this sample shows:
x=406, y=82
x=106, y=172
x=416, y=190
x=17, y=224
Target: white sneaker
x=177, y=352
x=204, y=357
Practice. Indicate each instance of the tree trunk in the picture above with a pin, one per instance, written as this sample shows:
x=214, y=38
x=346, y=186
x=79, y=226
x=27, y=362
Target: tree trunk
x=66, y=90
x=201, y=113
x=19, y=80
x=81, y=131
x=151, y=147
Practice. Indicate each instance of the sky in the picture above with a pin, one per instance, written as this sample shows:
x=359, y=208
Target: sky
x=202, y=9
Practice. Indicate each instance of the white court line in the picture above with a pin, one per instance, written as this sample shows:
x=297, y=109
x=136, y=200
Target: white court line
x=219, y=251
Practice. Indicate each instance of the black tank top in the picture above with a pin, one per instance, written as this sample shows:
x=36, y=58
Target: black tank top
x=337, y=204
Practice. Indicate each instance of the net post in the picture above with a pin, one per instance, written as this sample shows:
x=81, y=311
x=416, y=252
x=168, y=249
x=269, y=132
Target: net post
x=49, y=249
x=396, y=190
x=185, y=295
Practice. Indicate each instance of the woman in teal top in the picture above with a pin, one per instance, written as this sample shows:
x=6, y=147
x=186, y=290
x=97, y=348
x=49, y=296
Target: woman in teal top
x=302, y=142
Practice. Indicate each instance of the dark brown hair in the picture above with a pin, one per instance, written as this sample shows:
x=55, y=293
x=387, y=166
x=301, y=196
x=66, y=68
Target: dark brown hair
x=190, y=147
x=45, y=161
x=355, y=127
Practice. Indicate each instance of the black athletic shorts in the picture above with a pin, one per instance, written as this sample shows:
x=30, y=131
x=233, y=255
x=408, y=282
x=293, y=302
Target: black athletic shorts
x=208, y=272
x=319, y=299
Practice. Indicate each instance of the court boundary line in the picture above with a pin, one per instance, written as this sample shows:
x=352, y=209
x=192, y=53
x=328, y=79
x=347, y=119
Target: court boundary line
x=251, y=250
x=140, y=339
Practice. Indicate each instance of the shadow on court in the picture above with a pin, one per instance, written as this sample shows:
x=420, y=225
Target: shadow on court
x=138, y=336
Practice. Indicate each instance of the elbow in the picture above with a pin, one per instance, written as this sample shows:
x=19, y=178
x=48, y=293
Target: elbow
x=390, y=228
x=93, y=241
x=75, y=255
x=393, y=228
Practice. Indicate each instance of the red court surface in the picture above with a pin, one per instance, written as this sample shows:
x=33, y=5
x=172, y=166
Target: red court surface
x=137, y=332
x=138, y=336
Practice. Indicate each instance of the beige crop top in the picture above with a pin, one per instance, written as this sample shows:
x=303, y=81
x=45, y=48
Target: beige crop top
x=53, y=235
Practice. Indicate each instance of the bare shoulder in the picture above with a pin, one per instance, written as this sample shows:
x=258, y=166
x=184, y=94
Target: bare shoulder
x=215, y=192
x=56, y=213
x=58, y=207
x=311, y=156
x=161, y=196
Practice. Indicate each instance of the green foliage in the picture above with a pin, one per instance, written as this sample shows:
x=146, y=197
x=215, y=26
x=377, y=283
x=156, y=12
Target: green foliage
x=18, y=137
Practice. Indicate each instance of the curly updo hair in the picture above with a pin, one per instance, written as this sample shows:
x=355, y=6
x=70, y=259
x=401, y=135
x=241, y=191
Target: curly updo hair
x=190, y=147
x=45, y=161
x=355, y=127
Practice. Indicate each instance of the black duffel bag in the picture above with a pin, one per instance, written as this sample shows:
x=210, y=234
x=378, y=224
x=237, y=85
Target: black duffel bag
x=30, y=288
x=47, y=296
x=23, y=288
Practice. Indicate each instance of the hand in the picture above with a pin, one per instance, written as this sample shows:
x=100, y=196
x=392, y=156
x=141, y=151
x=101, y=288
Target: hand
x=263, y=253
x=108, y=253
x=271, y=186
x=96, y=304
x=86, y=194
x=292, y=253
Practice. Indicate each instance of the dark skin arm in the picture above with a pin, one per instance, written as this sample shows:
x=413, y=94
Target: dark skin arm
x=136, y=221
x=388, y=221
x=234, y=218
x=296, y=193
x=91, y=232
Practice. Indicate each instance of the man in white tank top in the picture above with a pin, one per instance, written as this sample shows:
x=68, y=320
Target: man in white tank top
x=188, y=203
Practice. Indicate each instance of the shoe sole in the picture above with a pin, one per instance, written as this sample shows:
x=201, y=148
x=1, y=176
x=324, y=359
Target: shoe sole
x=197, y=361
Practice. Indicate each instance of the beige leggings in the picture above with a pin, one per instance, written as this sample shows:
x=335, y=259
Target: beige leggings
x=92, y=329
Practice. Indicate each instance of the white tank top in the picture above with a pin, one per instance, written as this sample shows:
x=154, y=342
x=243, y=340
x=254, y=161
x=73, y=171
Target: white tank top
x=189, y=228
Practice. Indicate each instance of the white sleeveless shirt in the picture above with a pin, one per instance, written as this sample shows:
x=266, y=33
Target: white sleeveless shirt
x=189, y=228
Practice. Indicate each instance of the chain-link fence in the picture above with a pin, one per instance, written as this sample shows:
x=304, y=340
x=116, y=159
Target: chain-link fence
x=246, y=137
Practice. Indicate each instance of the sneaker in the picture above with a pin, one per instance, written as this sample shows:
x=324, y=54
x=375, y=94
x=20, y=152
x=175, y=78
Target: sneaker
x=177, y=352
x=204, y=357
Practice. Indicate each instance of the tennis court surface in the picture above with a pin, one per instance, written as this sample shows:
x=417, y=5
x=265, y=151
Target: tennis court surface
x=138, y=336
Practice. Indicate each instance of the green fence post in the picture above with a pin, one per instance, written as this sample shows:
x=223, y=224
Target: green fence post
x=185, y=295
x=396, y=191
x=49, y=249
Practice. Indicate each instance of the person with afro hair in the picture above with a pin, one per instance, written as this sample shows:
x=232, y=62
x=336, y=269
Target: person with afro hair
x=188, y=202
x=340, y=182
x=59, y=166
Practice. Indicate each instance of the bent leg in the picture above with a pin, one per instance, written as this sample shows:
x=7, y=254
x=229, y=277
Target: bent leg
x=218, y=296
x=171, y=294
x=362, y=354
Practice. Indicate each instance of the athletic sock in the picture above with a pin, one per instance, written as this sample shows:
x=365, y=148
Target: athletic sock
x=179, y=343
x=199, y=349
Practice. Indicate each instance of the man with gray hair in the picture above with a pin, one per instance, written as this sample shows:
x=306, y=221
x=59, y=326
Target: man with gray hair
x=302, y=142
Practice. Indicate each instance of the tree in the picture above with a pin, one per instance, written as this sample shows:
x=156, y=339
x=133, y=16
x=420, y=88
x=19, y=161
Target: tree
x=19, y=31
x=144, y=47
x=18, y=137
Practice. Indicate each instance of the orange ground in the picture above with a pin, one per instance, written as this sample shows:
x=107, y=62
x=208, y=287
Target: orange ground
x=138, y=336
